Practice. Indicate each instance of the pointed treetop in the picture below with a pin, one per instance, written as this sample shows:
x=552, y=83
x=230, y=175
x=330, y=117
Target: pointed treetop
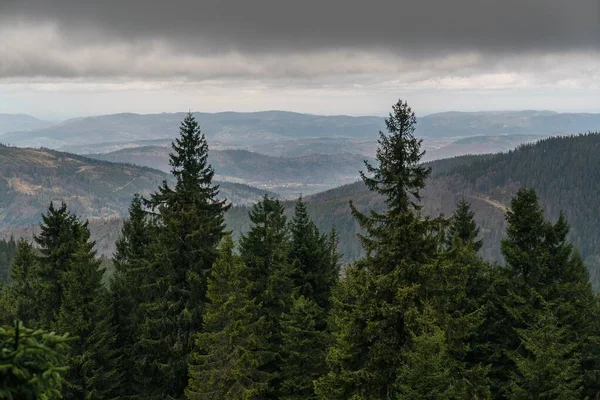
x=189, y=159
x=463, y=229
x=399, y=176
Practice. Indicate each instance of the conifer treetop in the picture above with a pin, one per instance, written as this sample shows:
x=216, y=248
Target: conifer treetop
x=399, y=176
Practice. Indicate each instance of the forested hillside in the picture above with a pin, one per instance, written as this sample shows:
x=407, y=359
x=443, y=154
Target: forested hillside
x=563, y=170
x=191, y=312
x=31, y=178
x=293, y=175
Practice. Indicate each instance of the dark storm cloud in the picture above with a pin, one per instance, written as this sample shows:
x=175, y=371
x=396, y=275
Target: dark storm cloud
x=280, y=26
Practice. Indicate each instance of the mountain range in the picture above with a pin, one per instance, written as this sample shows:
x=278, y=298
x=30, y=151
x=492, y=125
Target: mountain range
x=21, y=122
x=265, y=128
x=285, y=175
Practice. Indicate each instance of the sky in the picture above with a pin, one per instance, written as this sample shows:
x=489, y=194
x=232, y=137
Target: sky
x=67, y=58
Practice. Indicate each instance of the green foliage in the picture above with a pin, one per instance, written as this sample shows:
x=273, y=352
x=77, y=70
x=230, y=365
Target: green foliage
x=8, y=250
x=25, y=284
x=128, y=289
x=303, y=347
x=265, y=251
x=543, y=271
x=61, y=236
x=233, y=348
x=191, y=225
x=32, y=363
x=430, y=370
x=369, y=314
x=314, y=258
x=550, y=367
x=85, y=313
x=463, y=227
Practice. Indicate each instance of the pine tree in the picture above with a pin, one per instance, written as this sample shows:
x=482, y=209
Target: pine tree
x=369, y=311
x=430, y=368
x=85, y=313
x=191, y=224
x=233, y=347
x=463, y=227
x=128, y=286
x=543, y=270
x=59, y=239
x=265, y=251
x=25, y=284
x=550, y=368
x=32, y=363
x=314, y=258
x=303, y=349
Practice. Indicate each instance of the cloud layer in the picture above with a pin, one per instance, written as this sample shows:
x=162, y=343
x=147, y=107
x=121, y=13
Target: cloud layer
x=272, y=48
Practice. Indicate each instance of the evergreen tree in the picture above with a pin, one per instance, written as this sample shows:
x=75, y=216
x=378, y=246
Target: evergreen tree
x=128, y=286
x=265, y=251
x=191, y=224
x=543, y=270
x=32, y=363
x=303, y=349
x=85, y=313
x=369, y=314
x=233, y=347
x=430, y=368
x=59, y=239
x=463, y=227
x=8, y=250
x=25, y=284
x=314, y=271
x=550, y=369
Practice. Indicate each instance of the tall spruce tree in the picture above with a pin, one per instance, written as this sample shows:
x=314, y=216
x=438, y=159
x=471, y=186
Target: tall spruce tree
x=191, y=224
x=542, y=271
x=463, y=227
x=550, y=367
x=233, y=346
x=25, y=284
x=265, y=251
x=128, y=288
x=314, y=258
x=458, y=284
x=85, y=313
x=60, y=237
x=369, y=314
x=303, y=349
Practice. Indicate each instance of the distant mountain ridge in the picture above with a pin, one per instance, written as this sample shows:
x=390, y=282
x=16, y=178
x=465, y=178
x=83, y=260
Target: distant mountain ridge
x=305, y=174
x=225, y=127
x=20, y=122
x=267, y=127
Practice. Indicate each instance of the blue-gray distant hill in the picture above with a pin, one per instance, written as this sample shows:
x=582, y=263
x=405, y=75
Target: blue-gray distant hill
x=492, y=123
x=271, y=127
x=226, y=127
x=285, y=175
x=20, y=122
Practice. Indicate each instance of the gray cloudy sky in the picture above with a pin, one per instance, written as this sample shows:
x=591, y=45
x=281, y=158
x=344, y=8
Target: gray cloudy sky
x=61, y=58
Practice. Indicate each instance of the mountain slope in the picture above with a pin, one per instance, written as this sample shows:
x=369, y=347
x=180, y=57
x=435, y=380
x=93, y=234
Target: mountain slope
x=20, y=122
x=31, y=178
x=565, y=171
x=307, y=174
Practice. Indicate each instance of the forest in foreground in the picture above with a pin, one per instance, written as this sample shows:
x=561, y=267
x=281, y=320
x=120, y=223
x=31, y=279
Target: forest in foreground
x=191, y=313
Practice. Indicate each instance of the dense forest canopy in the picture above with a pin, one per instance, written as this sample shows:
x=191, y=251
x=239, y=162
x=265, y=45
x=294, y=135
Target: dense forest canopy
x=192, y=312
